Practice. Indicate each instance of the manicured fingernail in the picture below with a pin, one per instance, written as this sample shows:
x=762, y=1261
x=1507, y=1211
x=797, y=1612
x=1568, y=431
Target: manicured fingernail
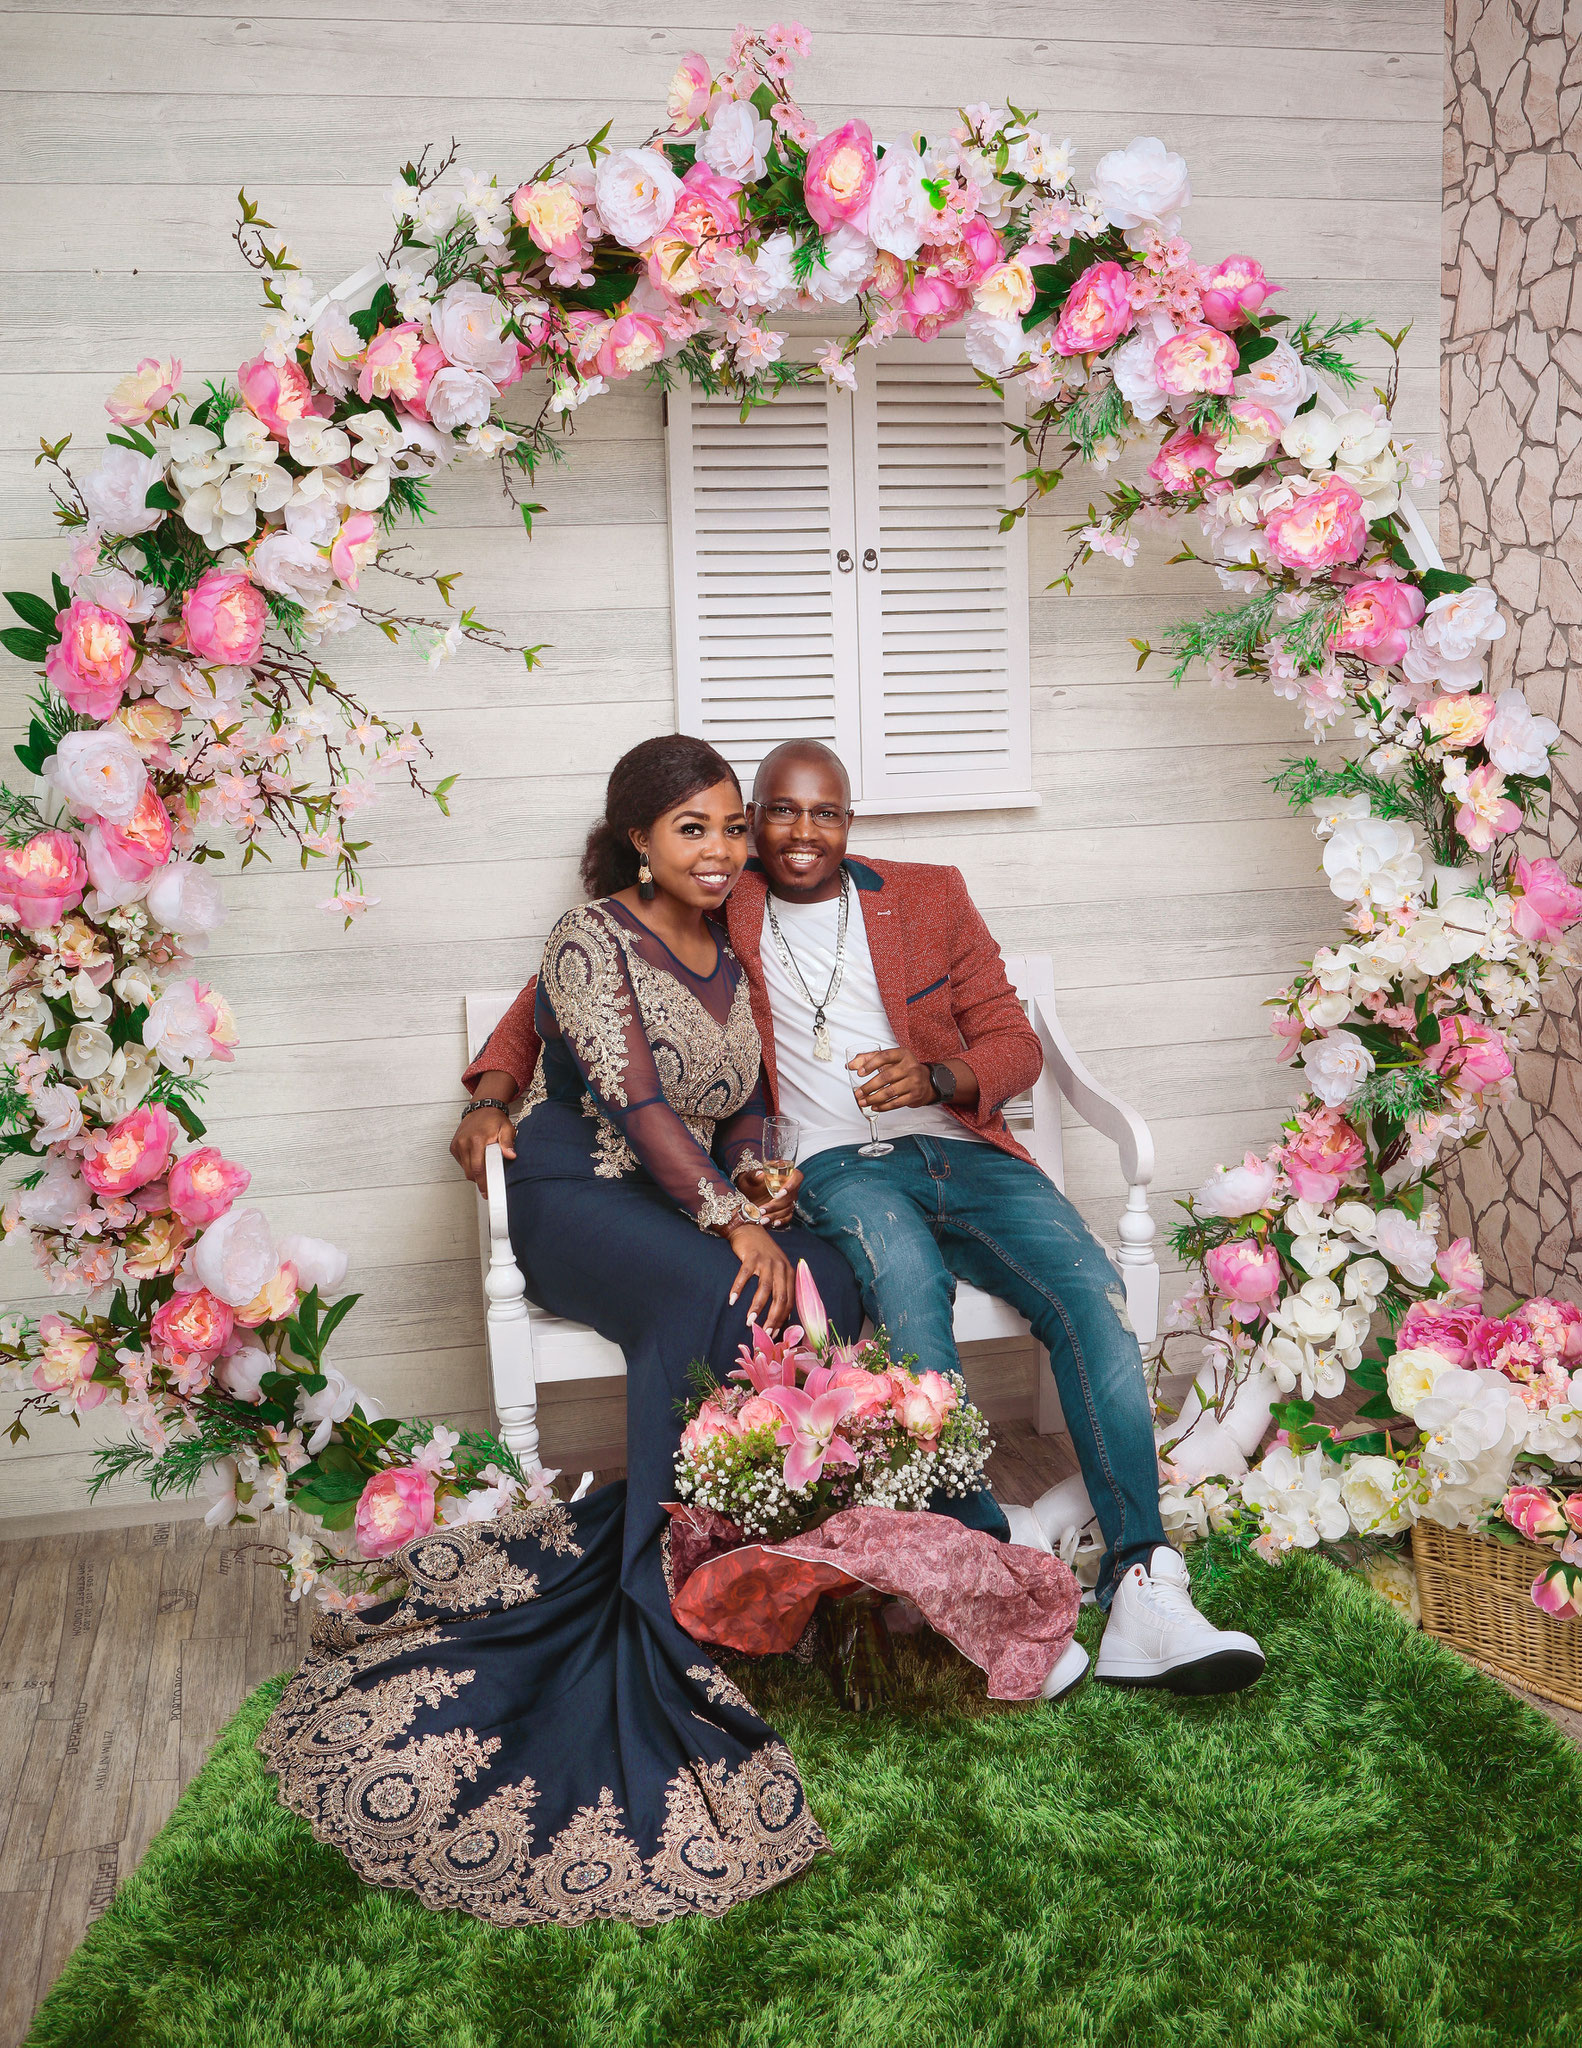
x=752, y=1315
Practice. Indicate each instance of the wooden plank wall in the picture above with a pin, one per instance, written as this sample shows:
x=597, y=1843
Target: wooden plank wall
x=1161, y=872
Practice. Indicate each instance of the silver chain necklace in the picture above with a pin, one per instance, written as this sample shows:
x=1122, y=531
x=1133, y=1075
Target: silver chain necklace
x=822, y=1049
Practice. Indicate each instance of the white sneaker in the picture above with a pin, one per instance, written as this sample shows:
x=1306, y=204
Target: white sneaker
x=1155, y=1636
x=1068, y=1673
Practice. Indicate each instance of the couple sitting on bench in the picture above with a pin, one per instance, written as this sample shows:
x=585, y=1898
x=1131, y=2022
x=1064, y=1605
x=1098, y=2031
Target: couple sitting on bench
x=694, y=994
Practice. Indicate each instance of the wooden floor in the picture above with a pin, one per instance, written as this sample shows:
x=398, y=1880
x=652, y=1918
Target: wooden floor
x=123, y=1652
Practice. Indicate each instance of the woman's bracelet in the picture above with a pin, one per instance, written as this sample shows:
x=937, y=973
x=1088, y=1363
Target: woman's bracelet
x=484, y=1102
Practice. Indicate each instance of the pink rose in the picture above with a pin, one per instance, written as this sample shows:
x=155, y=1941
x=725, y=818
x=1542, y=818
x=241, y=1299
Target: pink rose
x=1543, y=902
x=41, y=881
x=225, y=615
x=396, y=1505
x=1469, y=1052
x=1324, y=1151
x=1436, y=1327
x=941, y=1391
x=630, y=344
x=1196, y=359
x=688, y=98
x=1534, y=1512
x=838, y=181
x=90, y=664
x=1097, y=312
x=1378, y=618
x=135, y=1150
x=352, y=546
x=930, y=303
x=757, y=1413
x=203, y=1185
x=144, y=391
x=279, y=394
x=871, y=1389
x=67, y=1357
x=1233, y=291
x=1555, y=1593
x=1322, y=526
x=195, y=1325
x=1248, y=1273
x=126, y=855
x=1185, y=462
x=979, y=247
x=399, y=364
x=711, y=1421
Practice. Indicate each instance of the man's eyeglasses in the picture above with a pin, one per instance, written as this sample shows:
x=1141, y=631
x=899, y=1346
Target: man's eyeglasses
x=792, y=814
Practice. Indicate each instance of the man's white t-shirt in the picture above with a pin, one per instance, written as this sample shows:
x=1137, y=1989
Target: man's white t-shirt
x=818, y=1092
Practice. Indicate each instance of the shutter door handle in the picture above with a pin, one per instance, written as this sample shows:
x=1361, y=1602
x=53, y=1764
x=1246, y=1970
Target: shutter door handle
x=870, y=558
x=843, y=561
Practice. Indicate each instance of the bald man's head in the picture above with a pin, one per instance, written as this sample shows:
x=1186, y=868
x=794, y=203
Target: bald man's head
x=800, y=815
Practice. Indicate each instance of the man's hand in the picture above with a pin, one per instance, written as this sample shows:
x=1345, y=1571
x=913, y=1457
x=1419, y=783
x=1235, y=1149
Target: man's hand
x=900, y=1080
x=778, y=1210
x=477, y=1131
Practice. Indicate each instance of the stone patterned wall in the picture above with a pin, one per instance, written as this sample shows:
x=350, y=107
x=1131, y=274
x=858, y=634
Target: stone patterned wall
x=1511, y=336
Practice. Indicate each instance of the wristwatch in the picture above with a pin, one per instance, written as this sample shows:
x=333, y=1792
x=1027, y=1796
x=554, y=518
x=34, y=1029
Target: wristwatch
x=943, y=1077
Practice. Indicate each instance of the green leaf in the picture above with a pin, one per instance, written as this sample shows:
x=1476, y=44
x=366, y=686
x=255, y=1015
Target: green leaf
x=187, y=1117
x=1257, y=348
x=62, y=594
x=129, y=437
x=1374, y=1446
x=606, y=292
x=161, y=498
x=35, y=612
x=336, y=1315
x=373, y=316
x=1379, y=1409
x=1440, y=582
x=1369, y=1374
x=25, y=644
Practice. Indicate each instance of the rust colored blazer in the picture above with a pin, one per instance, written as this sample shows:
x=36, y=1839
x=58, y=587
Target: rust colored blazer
x=940, y=975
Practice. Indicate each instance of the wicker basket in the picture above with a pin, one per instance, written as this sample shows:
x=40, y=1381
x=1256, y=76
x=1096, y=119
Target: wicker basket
x=1476, y=1595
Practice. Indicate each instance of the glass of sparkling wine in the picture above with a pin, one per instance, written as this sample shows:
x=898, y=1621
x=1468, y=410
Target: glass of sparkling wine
x=782, y=1137
x=876, y=1148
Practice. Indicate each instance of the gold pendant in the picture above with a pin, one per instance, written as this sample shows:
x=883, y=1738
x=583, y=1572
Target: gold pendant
x=822, y=1049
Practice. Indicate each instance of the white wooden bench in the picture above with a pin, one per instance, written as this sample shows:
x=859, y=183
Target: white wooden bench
x=529, y=1349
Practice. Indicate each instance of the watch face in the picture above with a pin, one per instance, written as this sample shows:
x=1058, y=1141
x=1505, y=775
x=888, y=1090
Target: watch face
x=944, y=1082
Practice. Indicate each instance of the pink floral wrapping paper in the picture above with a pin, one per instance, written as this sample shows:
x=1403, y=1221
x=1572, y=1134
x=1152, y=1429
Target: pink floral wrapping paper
x=1008, y=1608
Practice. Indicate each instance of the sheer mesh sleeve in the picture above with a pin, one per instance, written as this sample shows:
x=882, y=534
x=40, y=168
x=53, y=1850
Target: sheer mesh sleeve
x=588, y=986
x=738, y=1142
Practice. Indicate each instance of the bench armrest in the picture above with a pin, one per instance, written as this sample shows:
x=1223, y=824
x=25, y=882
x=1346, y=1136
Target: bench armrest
x=1094, y=1103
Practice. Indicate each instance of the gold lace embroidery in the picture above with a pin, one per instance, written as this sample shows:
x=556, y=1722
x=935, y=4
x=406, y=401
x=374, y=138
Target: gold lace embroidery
x=446, y=1567
x=583, y=977
x=537, y=1089
x=718, y=1206
x=548, y=1523
x=613, y=1157
x=719, y=1690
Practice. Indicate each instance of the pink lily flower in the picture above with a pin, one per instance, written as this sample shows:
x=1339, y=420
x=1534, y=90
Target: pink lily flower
x=770, y=1363
x=809, y=1438
x=810, y=1307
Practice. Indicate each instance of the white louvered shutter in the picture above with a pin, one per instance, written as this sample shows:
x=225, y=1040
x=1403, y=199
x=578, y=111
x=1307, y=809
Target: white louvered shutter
x=765, y=613
x=942, y=597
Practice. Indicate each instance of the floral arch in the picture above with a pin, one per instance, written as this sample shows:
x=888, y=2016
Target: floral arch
x=217, y=551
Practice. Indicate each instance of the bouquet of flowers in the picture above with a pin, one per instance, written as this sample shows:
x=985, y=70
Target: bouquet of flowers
x=806, y=1426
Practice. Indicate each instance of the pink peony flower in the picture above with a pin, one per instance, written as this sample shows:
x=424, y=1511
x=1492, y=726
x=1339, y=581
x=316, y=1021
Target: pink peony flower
x=1196, y=359
x=838, y=180
x=1459, y=1266
x=41, y=881
x=203, y=1185
x=1556, y=1325
x=1324, y=1151
x=1543, y=902
x=135, y=1150
x=1378, y=619
x=190, y=1021
x=67, y=1357
x=353, y=545
x=195, y=1325
x=126, y=855
x=552, y=214
x=630, y=344
x=1435, y=1326
x=279, y=394
x=144, y=391
x=687, y=101
x=396, y=1505
x=1574, y=1511
x=1248, y=1273
x=93, y=659
x=1097, y=312
x=1233, y=291
x=1470, y=1052
x=1185, y=462
x=930, y=303
x=225, y=616
x=274, y=1301
x=1458, y=721
x=1557, y=1594
x=1534, y=1511
x=399, y=364
x=1321, y=527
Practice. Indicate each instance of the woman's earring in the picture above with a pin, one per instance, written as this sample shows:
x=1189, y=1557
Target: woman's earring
x=645, y=879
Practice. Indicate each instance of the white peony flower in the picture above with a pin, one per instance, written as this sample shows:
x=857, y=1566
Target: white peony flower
x=1518, y=742
x=635, y=191
x=992, y=346
x=1462, y=620
x=1427, y=670
x=59, y=1112
x=1409, y=1246
x=236, y=1256
x=1238, y=1190
x=1279, y=380
x=99, y=773
x=737, y=142
x=1391, y=1576
x=115, y=493
x=186, y=900
x=467, y=322
x=1132, y=367
x=292, y=567
x=457, y=398
x=117, y=590
x=337, y=351
x=1410, y=1376
x=1142, y=185
x=55, y=1198
x=240, y=1371
x=1337, y=1065
x=846, y=263
x=317, y=1262
x=899, y=207
x=1377, y=1495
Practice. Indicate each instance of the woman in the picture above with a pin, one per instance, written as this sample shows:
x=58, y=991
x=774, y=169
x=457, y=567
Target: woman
x=528, y=1734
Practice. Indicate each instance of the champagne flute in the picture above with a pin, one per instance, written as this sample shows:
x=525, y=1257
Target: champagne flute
x=781, y=1140
x=876, y=1148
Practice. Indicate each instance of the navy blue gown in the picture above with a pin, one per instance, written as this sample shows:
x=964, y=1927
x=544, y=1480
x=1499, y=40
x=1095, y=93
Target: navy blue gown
x=527, y=1734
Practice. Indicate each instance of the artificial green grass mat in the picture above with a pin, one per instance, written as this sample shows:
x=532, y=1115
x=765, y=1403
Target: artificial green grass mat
x=1373, y=1845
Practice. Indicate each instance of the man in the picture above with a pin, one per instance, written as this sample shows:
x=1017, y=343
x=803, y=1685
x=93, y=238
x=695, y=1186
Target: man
x=889, y=961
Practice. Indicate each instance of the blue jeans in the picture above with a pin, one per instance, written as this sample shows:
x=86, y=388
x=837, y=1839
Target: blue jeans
x=938, y=1210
